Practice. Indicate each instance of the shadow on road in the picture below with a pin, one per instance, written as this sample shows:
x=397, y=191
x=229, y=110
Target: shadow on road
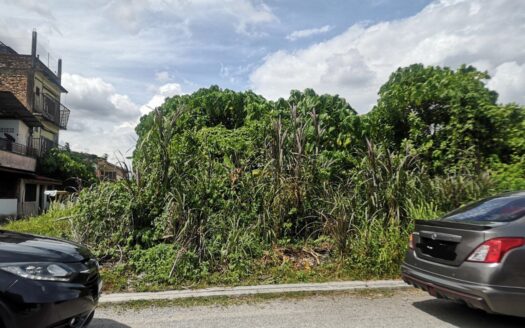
x=106, y=323
x=460, y=315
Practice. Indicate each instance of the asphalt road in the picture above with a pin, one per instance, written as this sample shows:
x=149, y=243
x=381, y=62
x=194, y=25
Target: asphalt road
x=402, y=309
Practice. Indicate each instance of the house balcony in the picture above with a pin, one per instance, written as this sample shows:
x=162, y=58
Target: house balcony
x=41, y=145
x=52, y=110
x=13, y=147
x=17, y=156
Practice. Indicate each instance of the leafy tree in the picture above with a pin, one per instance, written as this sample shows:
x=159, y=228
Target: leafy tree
x=211, y=107
x=448, y=115
x=75, y=170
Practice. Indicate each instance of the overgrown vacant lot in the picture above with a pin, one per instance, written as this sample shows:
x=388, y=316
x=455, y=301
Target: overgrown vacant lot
x=230, y=188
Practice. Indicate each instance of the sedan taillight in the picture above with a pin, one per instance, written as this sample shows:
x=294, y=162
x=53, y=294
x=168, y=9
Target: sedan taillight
x=492, y=251
x=411, y=241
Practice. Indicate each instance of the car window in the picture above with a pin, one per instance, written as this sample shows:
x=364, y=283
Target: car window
x=495, y=209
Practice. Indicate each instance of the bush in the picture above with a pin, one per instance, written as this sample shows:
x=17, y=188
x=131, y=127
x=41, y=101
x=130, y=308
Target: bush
x=103, y=218
x=509, y=177
x=153, y=265
x=75, y=170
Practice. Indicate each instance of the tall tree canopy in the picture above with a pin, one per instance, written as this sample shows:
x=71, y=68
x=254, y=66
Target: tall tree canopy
x=449, y=116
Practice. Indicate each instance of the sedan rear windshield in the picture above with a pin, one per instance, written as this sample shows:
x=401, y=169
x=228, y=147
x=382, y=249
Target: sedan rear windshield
x=504, y=208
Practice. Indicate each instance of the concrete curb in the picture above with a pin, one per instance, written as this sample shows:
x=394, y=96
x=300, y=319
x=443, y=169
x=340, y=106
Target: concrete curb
x=251, y=290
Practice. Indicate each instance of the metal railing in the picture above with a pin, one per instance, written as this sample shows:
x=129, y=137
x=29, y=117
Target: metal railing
x=37, y=147
x=64, y=116
x=52, y=110
x=42, y=145
x=13, y=147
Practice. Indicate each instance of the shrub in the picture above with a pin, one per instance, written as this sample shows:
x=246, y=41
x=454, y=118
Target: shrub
x=103, y=218
x=509, y=177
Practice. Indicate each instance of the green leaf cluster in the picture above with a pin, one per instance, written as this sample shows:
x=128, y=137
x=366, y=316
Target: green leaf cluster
x=75, y=170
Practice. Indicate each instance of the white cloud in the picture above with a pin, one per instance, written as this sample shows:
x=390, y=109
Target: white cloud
x=96, y=98
x=295, y=35
x=235, y=73
x=244, y=14
x=34, y=6
x=248, y=14
x=163, y=76
x=102, y=121
x=450, y=32
x=106, y=38
x=163, y=92
x=509, y=79
x=99, y=137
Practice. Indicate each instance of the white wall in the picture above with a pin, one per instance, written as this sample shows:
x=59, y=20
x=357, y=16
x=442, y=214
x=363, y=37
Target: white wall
x=8, y=207
x=50, y=131
x=20, y=131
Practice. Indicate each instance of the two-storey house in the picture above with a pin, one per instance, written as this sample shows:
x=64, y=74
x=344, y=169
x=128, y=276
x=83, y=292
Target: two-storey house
x=31, y=117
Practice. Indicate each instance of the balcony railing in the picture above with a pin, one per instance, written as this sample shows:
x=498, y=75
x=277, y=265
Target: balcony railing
x=64, y=116
x=37, y=147
x=13, y=147
x=41, y=145
x=52, y=110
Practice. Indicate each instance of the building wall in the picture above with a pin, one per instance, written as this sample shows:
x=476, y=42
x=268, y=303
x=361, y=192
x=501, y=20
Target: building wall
x=46, y=132
x=51, y=130
x=17, y=84
x=17, y=200
x=109, y=172
x=16, y=128
x=28, y=207
x=8, y=208
x=14, y=76
x=15, y=62
x=46, y=86
x=16, y=161
x=8, y=195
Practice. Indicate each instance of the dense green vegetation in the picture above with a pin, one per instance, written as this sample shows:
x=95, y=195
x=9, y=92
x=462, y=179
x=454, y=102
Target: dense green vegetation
x=75, y=169
x=231, y=188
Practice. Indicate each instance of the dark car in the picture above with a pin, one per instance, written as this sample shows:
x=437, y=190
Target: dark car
x=475, y=254
x=46, y=282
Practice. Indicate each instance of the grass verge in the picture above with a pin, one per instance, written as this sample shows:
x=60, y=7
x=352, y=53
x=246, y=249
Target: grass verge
x=226, y=301
x=53, y=223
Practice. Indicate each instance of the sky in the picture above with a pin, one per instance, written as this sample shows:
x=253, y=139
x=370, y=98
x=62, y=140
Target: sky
x=122, y=58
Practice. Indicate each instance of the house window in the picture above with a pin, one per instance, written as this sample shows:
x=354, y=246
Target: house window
x=8, y=186
x=7, y=130
x=30, y=195
x=110, y=175
x=37, y=91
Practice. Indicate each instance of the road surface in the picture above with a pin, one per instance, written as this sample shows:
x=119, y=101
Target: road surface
x=403, y=308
